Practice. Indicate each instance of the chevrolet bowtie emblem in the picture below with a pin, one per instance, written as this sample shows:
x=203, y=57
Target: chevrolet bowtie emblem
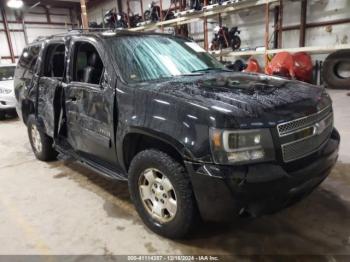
x=319, y=127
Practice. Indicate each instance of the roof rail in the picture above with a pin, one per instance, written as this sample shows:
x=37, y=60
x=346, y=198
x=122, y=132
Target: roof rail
x=91, y=29
x=72, y=31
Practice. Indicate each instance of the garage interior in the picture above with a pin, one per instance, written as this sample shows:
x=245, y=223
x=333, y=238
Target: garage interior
x=63, y=208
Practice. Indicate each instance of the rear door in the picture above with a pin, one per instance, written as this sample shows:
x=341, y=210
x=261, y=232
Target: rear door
x=49, y=82
x=89, y=102
x=25, y=82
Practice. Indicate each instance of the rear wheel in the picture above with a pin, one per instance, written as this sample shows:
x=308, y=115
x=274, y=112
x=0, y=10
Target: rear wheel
x=2, y=115
x=42, y=145
x=162, y=193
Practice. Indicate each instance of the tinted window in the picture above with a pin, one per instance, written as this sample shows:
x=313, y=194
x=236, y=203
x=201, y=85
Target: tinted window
x=87, y=66
x=29, y=57
x=54, y=61
x=28, y=60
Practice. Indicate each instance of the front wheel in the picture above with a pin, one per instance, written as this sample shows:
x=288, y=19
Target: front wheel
x=162, y=194
x=42, y=144
x=235, y=42
x=147, y=15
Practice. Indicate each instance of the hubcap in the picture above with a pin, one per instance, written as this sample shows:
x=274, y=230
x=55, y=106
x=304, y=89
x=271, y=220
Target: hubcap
x=158, y=195
x=36, y=139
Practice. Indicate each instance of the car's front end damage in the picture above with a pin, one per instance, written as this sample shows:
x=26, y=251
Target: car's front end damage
x=269, y=143
x=255, y=189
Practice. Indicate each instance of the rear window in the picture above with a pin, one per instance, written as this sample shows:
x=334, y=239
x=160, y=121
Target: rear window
x=7, y=73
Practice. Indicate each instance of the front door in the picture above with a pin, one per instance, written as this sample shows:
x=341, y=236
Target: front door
x=89, y=103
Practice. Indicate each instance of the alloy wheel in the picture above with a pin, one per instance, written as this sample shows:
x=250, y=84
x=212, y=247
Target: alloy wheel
x=157, y=195
x=36, y=139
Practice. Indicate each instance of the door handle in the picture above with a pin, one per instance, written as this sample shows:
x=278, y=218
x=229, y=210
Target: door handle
x=73, y=99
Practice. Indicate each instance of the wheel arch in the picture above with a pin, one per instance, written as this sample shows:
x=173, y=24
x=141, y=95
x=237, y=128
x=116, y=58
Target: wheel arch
x=28, y=108
x=140, y=139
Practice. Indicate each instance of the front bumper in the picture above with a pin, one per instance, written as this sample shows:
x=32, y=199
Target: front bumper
x=7, y=102
x=224, y=191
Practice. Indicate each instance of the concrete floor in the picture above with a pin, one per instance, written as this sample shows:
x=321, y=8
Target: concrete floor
x=63, y=208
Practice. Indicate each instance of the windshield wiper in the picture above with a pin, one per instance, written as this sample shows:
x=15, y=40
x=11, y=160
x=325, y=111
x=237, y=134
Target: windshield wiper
x=210, y=69
x=191, y=74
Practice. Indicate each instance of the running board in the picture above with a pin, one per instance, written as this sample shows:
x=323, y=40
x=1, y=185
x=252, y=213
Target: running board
x=101, y=170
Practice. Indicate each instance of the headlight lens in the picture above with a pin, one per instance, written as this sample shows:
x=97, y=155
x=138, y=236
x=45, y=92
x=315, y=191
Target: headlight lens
x=237, y=146
x=5, y=91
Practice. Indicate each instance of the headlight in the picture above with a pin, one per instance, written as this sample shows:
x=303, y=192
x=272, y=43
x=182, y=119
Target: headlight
x=4, y=91
x=239, y=146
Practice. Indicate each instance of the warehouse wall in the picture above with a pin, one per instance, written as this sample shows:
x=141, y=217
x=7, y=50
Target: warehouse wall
x=61, y=17
x=251, y=22
x=97, y=11
x=319, y=10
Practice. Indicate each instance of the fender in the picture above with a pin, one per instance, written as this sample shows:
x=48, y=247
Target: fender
x=180, y=148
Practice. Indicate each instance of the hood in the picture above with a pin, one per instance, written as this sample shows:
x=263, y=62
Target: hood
x=247, y=99
x=7, y=84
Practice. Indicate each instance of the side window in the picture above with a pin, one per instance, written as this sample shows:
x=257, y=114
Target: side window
x=28, y=60
x=54, y=61
x=87, y=65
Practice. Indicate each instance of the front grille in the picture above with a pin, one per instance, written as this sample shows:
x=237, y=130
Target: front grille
x=322, y=126
x=289, y=127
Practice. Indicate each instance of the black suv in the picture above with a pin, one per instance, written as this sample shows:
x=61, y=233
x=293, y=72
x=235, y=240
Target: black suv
x=193, y=139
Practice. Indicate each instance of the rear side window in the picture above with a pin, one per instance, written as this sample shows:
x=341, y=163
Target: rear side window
x=26, y=67
x=54, y=61
x=28, y=60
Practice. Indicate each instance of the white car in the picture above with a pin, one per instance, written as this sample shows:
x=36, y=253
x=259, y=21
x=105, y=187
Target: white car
x=7, y=94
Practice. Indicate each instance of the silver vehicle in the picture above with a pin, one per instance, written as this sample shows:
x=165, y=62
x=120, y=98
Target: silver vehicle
x=7, y=94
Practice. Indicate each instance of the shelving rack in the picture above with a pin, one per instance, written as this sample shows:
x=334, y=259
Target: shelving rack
x=210, y=12
x=207, y=13
x=308, y=49
x=277, y=5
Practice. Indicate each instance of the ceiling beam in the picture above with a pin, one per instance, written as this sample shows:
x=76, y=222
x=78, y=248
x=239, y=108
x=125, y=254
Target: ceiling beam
x=58, y=4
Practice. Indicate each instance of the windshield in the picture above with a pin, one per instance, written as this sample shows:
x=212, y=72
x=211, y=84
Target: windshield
x=7, y=73
x=145, y=58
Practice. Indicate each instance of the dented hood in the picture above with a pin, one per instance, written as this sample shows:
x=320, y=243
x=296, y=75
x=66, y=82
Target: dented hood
x=247, y=99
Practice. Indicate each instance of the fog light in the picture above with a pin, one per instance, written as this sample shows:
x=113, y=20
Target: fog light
x=257, y=154
x=246, y=155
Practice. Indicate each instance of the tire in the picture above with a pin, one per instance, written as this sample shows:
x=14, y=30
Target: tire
x=174, y=224
x=330, y=72
x=42, y=144
x=2, y=115
x=235, y=42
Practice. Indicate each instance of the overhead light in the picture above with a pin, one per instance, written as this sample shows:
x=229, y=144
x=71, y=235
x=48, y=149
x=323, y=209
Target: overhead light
x=15, y=4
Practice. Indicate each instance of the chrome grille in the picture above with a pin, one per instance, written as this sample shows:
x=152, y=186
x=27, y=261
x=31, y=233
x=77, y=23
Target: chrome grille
x=288, y=127
x=302, y=147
